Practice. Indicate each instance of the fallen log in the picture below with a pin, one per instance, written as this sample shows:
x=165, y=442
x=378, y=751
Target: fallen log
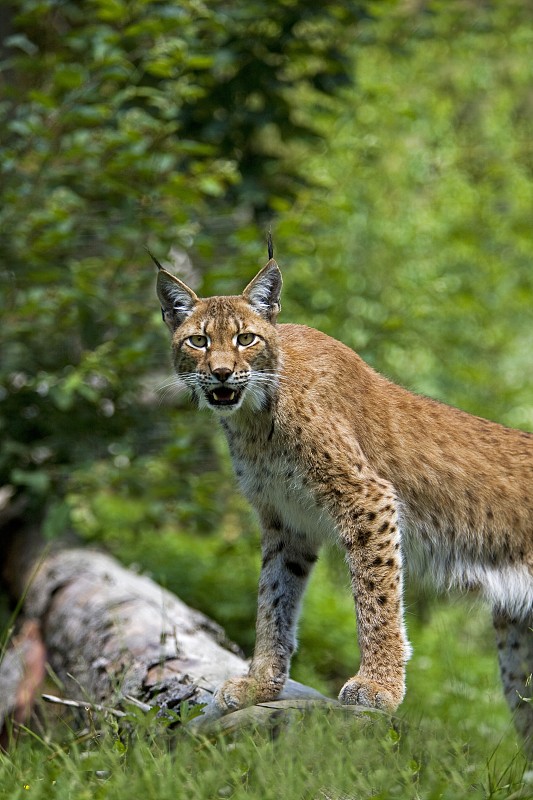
x=112, y=635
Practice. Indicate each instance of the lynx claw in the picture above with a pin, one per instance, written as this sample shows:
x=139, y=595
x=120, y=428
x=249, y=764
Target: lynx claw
x=236, y=693
x=365, y=692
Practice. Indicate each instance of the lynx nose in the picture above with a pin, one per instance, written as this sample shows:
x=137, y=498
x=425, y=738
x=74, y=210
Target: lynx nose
x=222, y=373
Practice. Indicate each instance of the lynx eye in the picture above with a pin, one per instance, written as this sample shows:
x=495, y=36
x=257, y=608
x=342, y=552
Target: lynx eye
x=198, y=341
x=246, y=339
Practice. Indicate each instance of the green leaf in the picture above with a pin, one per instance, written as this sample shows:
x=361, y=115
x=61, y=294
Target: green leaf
x=37, y=480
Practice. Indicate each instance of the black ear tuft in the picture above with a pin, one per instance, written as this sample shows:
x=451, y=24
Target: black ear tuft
x=263, y=293
x=270, y=246
x=154, y=259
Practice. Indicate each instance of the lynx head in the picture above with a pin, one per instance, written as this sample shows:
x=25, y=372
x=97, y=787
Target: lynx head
x=225, y=348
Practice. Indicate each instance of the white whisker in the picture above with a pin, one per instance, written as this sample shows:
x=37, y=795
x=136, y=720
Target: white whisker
x=174, y=386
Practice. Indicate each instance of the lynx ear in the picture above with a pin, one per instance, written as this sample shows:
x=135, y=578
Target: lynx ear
x=177, y=300
x=263, y=293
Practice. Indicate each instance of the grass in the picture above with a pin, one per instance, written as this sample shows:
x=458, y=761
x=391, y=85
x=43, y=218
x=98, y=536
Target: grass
x=323, y=755
x=453, y=738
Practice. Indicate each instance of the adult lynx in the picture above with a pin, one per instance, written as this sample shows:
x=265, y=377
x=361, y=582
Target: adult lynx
x=325, y=447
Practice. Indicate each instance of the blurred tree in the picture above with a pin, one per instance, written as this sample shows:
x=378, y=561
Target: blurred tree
x=417, y=251
x=125, y=124
x=260, y=56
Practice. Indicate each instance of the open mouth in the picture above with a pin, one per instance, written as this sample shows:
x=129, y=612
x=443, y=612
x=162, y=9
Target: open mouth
x=223, y=396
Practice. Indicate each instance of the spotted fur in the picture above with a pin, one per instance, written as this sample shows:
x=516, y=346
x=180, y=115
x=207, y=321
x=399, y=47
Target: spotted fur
x=324, y=447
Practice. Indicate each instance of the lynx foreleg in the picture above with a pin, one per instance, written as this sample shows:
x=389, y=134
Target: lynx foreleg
x=368, y=525
x=287, y=561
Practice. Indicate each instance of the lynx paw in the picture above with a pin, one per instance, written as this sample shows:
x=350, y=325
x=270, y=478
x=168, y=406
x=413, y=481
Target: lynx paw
x=241, y=692
x=236, y=693
x=365, y=692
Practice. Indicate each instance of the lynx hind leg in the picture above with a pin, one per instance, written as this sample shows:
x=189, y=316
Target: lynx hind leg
x=514, y=638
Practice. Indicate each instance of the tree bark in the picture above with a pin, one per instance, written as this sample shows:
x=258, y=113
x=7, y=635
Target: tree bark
x=110, y=633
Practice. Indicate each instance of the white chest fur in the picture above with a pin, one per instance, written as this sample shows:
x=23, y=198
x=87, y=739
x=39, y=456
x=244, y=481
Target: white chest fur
x=272, y=481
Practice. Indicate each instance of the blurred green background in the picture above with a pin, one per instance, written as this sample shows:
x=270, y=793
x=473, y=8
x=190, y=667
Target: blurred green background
x=390, y=147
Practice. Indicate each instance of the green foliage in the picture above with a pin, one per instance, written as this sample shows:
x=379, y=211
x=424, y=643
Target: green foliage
x=122, y=126
x=417, y=253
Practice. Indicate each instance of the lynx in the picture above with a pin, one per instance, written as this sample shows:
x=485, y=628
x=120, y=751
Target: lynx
x=326, y=448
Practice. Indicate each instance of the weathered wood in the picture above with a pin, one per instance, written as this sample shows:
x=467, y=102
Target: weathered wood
x=111, y=633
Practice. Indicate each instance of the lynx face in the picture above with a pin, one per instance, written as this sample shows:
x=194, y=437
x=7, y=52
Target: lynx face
x=226, y=354
x=225, y=348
